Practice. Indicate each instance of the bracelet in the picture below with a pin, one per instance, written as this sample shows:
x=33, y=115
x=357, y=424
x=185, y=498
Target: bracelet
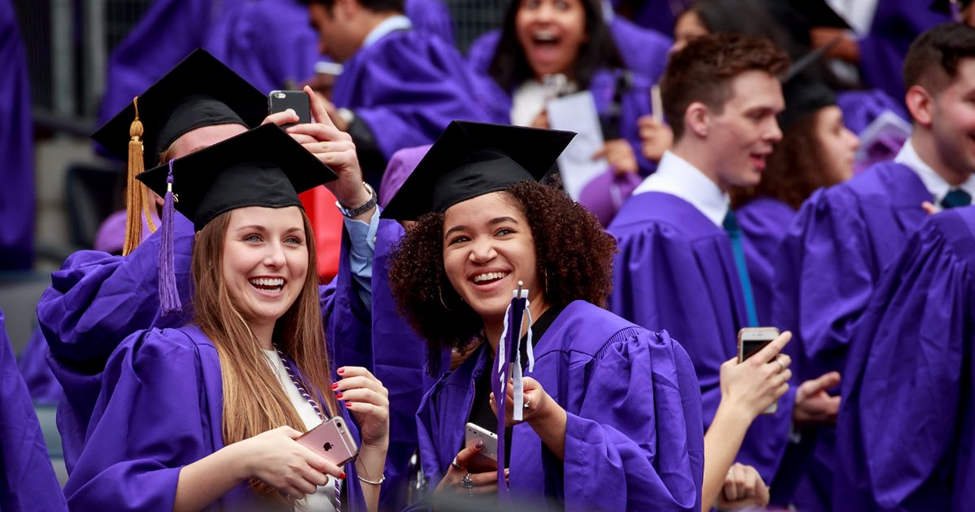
x=370, y=482
x=363, y=208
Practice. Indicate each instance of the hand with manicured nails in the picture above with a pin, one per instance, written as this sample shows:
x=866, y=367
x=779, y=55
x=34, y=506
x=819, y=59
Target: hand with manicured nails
x=485, y=482
x=275, y=458
x=334, y=148
x=753, y=385
x=368, y=400
x=539, y=402
x=743, y=488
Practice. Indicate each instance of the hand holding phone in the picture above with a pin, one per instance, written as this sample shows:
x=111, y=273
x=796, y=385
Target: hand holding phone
x=482, y=461
x=751, y=340
x=279, y=101
x=332, y=440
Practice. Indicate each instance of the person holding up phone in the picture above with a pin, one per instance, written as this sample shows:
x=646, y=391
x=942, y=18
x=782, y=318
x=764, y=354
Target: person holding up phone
x=210, y=412
x=611, y=410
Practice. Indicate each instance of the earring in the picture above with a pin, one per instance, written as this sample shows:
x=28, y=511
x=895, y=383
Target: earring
x=440, y=293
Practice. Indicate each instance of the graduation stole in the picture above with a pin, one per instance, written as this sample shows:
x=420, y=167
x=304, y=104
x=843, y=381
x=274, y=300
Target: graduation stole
x=502, y=371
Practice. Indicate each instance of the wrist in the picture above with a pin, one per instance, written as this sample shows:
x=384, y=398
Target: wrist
x=243, y=464
x=734, y=416
x=364, y=201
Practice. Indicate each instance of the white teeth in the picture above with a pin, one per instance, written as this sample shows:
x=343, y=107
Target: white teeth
x=544, y=36
x=489, y=276
x=273, y=282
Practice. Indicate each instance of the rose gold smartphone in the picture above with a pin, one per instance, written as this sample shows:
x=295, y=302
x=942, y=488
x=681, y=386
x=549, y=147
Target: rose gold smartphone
x=750, y=341
x=331, y=440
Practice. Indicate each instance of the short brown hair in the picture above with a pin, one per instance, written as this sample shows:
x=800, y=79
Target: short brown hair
x=573, y=254
x=933, y=58
x=703, y=70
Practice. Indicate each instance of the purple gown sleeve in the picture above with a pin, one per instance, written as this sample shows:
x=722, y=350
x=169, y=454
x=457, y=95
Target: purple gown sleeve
x=16, y=148
x=905, y=431
x=680, y=276
x=431, y=17
x=43, y=386
x=153, y=417
x=481, y=51
x=647, y=380
x=27, y=480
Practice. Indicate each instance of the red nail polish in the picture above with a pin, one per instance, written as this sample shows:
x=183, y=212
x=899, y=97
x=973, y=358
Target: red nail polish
x=338, y=395
x=479, y=444
x=340, y=371
x=335, y=385
x=348, y=404
x=342, y=476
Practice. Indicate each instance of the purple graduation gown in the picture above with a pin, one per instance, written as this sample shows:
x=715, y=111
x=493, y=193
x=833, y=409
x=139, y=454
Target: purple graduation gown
x=896, y=23
x=659, y=15
x=271, y=43
x=407, y=87
x=905, y=432
x=44, y=388
x=763, y=223
x=675, y=271
x=27, y=480
x=643, y=51
x=16, y=148
x=160, y=408
x=828, y=265
x=633, y=436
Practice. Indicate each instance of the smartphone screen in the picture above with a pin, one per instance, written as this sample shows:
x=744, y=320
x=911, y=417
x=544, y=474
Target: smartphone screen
x=750, y=347
x=751, y=340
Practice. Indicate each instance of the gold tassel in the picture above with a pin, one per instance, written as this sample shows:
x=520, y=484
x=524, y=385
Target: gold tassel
x=135, y=190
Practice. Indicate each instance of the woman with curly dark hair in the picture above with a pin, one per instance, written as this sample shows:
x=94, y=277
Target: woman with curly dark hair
x=611, y=411
x=817, y=150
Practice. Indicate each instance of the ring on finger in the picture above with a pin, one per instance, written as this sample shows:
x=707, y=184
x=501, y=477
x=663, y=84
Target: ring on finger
x=778, y=359
x=528, y=402
x=456, y=464
x=468, y=483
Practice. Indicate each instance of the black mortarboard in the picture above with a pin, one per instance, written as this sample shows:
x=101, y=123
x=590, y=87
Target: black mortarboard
x=819, y=13
x=262, y=167
x=803, y=96
x=199, y=91
x=472, y=159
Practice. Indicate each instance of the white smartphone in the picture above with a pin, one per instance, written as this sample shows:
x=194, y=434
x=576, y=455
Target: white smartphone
x=331, y=440
x=750, y=341
x=474, y=433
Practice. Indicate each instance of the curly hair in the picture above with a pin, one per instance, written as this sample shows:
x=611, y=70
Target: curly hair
x=574, y=262
x=703, y=71
x=795, y=169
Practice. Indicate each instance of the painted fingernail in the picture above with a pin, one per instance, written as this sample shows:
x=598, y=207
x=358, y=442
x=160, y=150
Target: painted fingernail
x=348, y=404
x=338, y=395
x=340, y=371
x=342, y=476
x=335, y=385
x=479, y=445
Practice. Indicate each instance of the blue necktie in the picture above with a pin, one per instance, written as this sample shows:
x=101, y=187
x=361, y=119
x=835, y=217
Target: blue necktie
x=734, y=233
x=956, y=198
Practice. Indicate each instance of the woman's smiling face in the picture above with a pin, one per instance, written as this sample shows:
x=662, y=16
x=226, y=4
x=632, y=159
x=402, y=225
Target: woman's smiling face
x=551, y=32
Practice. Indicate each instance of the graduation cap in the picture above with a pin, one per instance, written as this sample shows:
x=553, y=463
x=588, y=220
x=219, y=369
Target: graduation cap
x=803, y=97
x=819, y=13
x=472, y=159
x=261, y=167
x=200, y=91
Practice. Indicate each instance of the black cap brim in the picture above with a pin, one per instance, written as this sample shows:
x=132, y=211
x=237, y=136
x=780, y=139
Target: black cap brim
x=471, y=159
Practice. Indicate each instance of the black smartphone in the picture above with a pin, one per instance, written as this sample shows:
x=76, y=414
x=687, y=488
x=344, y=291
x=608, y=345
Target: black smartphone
x=279, y=101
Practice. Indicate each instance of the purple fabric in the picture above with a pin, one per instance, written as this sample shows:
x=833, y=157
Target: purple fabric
x=896, y=23
x=763, y=222
x=659, y=15
x=905, y=433
x=16, y=148
x=605, y=194
x=272, y=45
x=110, y=236
x=160, y=408
x=44, y=388
x=860, y=108
x=633, y=439
x=643, y=51
x=400, y=166
x=675, y=271
x=167, y=32
x=828, y=265
x=27, y=480
x=407, y=87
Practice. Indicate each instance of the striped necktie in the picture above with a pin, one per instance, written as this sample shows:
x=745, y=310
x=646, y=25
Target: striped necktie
x=956, y=198
x=734, y=233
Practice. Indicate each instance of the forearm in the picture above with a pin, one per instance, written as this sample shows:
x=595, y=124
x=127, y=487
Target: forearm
x=721, y=444
x=551, y=429
x=370, y=465
x=206, y=480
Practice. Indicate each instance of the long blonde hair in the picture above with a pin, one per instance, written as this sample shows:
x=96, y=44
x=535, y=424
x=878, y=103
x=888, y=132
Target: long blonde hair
x=253, y=399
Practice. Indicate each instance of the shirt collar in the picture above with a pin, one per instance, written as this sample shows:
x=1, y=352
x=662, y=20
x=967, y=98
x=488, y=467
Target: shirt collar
x=387, y=26
x=933, y=181
x=678, y=177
